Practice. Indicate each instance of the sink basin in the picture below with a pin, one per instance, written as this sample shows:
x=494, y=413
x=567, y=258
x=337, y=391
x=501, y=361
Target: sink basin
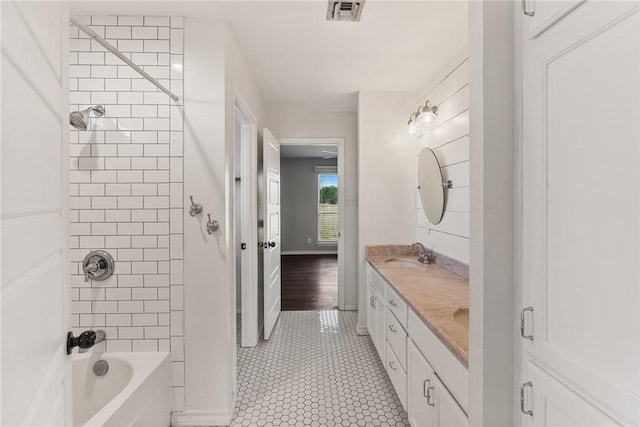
x=404, y=261
x=461, y=316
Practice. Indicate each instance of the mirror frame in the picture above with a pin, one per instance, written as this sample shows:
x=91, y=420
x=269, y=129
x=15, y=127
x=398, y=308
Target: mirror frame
x=431, y=185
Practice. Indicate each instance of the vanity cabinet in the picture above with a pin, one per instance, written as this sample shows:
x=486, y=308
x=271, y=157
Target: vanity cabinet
x=376, y=309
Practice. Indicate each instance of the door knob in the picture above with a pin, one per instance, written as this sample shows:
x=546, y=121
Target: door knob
x=272, y=244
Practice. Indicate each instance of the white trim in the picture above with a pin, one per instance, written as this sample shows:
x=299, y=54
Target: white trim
x=339, y=142
x=309, y=253
x=350, y=307
x=249, y=220
x=362, y=330
x=202, y=418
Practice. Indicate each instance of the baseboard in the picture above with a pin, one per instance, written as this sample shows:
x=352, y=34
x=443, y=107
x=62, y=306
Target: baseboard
x=362, y=330
x=202, y=418
x=309, y=252
x=351, y=307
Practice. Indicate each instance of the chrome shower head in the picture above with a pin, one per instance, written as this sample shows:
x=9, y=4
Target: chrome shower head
x=80, y=119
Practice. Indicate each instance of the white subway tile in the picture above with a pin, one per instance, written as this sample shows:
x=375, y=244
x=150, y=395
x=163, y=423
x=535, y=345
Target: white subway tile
x=104, y=307
x=176, y=169
x=177, y=63
x=163, y=163
x=163, y=111
x=130, y=255
x=90, y=58
x=74, y=243
x=130, y=20
x=118, y=215
x=155, y=176
x=104, y=20
x=144, y=267
x=118, y=137
x=119, y=110
x=164, y=294
x=93, y=137
x=155, y=202
x=80, y=97
x=126, y=72
x=177, y=348
x=164, y=319
x=92, y=189
x=90, y=163
x=131, y=281
x=92, y=242
x=176, y=297
x=163, y=58
x=159, y=98
x=176, y=272
x=118, y=242
x=130, y=98
x=163, y=190
x=118, y=163
x=144, y=189
x=176, y=245
x=176, y=200
x=118, y=85
x=73, y=60
x=103, y=71
x=118, y=319
x=156, y=150
x=146, y=319
x=81, y=307
x=156, y=228
x=111, y=59
x=130, y=176
x=104, y=98
x=130, y=202
x=156, y=331
x=177, y=41
x=177, y=373
x=164, y=33
x=156, y=254
x=91, y=215
x=130, y=307
x=163, y=241
x=103, y=123
x=118, y=32
x=97, y=47
x=144, y=58
x=142, y=137
x=156, y=307
x=104, y=203
x=144, y=111
x=176, y=220
x=145, y=345
x=145, y=294
x=157, y=21
x=144, y=241
x=156, y=280
x=130, y=46
x=130, y=150
x=143, y=86
x=177, y=323
x=144, y=33
x=132, y=332
x=159, y=46
x=98, y=29
x=91, y=84
x=80, y=202
x=130, y=124
x=114, y=345
x=144, y=163
x=176, y=144
x=104, y=150
x=177, y=87
x=118, y=294
x=77, y=229
x=73, y=214
x=79, y=71
x=144, y=215
x=104, y=229
x=79, y=150
x=118, y=189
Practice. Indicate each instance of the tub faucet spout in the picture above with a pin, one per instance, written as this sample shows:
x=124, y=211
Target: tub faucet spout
x=85, y=340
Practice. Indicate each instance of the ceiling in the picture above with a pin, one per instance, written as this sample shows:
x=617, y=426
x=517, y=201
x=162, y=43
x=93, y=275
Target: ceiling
x=308, y=151
x=301, y=61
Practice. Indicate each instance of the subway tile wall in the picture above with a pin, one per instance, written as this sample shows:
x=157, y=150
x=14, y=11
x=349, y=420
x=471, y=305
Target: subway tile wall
x=127, y=186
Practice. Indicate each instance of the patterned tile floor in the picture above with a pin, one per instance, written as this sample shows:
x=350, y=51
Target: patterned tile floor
x=315, y=371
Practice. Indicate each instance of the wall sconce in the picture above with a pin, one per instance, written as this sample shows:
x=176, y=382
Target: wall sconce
x=420, y=120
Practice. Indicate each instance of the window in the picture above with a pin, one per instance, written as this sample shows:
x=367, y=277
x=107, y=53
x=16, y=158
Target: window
x=327, y=208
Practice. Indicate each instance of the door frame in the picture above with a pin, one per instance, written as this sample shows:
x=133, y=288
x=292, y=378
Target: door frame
x=339, y=143
x=249, y=219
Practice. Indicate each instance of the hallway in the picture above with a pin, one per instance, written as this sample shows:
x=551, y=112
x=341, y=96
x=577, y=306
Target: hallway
x=310, y=282
x=315, y=371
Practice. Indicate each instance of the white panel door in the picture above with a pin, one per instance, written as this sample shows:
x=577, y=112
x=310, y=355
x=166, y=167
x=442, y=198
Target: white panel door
x=447, y=411
x=581, y=206
x=34, y=299
x=371, y=310
x=272, y=273
x=419, y=377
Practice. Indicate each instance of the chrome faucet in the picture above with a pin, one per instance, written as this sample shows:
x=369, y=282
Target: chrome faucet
x=423, y=255
x=85, y=340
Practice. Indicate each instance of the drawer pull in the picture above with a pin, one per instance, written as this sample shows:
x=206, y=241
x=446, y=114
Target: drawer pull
x=392, y=329
x=430, y=401
x=372, y=301
x=425, y=391
x=393, y=366
x=393, y=303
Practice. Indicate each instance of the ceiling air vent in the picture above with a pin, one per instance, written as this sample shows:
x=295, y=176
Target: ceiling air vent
x=344, y=10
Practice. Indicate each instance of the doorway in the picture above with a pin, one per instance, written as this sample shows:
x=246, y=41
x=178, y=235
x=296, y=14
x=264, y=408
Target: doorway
x=312, y=217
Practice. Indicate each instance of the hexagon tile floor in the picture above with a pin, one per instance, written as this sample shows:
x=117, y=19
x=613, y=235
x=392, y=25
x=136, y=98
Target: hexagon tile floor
x=315, y=371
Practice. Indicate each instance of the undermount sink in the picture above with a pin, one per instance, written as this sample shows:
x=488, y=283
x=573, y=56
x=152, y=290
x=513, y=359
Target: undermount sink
x=404, y=261
x=461, y=316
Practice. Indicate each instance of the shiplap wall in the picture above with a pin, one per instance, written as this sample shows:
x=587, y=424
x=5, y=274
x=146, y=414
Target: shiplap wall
x=449, y=139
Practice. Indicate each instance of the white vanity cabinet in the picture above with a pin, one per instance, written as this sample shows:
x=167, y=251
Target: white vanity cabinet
x=417, y=362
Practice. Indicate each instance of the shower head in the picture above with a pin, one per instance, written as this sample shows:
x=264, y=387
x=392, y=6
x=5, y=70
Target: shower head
x=80, y=119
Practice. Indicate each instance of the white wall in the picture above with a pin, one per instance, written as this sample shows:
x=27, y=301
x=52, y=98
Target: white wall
x=449, y=139
x=299, y=204
x=386, y=177
x=126, y=186
x=307, y=124
x=213, y=67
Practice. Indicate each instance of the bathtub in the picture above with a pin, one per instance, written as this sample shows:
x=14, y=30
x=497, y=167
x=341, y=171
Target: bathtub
x=136, y=390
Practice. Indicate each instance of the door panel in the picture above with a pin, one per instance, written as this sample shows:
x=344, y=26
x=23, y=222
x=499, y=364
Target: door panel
x=35, y=298
x=547, y=13
x=272, y=273
x=419, y=376
x=581, y=204
x=448, y=412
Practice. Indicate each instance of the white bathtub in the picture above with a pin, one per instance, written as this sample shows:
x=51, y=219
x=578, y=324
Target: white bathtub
x=136, y=391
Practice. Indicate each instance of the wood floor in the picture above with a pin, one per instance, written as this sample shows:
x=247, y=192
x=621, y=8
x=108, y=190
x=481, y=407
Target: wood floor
x=309, y=282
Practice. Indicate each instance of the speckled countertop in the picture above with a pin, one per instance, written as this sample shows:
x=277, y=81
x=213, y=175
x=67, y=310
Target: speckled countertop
x=432, y=292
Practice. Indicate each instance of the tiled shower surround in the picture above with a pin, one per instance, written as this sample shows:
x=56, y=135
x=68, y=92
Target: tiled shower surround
x=127, y=186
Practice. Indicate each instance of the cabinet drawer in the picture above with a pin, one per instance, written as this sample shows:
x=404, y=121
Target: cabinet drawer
x=375, y=279
x=397, y=305
x=397, y=375
x=397, y=338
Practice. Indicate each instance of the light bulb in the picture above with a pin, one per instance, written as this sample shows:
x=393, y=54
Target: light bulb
x=413, y=128
x=426, y=119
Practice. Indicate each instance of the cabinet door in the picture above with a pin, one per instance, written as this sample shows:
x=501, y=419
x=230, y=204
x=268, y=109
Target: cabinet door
x=447, y=411
x=380, y=320
x=371, y=311
x=546, y=13
x=580, y=229
x=419, y=375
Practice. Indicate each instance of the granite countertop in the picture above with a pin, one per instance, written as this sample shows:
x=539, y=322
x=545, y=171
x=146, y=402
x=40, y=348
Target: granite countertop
x=433, y=293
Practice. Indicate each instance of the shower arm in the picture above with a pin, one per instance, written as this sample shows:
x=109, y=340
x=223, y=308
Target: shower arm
x=88, y=31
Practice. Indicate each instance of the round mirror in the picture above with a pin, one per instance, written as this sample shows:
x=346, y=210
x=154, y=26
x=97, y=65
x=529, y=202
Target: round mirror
x=432, y=191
